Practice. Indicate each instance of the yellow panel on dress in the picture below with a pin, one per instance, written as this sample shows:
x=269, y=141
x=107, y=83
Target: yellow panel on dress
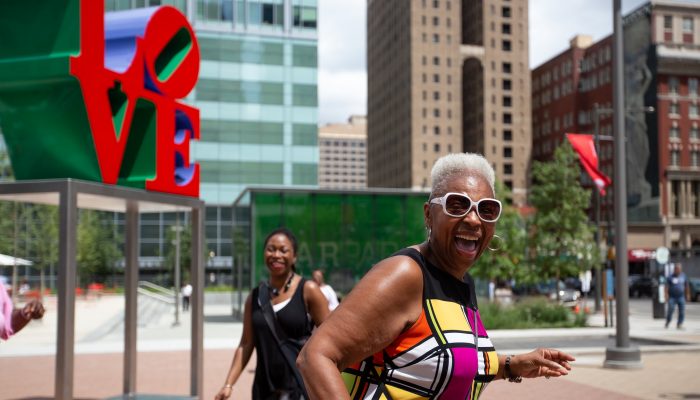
x=493, y=363
x=450, y=316
x=400, y=394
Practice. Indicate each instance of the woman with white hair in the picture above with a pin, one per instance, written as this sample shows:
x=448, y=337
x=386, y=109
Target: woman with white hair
x=411, y=327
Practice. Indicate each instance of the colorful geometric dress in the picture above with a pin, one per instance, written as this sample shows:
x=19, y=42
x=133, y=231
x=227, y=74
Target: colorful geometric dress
x=446, y=354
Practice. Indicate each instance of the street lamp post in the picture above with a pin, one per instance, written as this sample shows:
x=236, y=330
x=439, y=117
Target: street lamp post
x=622, y=355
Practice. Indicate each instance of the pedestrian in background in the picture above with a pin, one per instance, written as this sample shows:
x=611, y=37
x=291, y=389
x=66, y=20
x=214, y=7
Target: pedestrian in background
x=186, y=294
x=276, y=324
x=677, y=292
x=12, y=319
x=327, y=290
x=411, y=327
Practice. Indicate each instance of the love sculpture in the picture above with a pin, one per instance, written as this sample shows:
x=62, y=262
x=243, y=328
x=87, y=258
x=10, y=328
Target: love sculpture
x=96, y=96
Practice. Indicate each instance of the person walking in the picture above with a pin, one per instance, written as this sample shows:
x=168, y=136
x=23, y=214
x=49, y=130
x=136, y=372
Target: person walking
x=186, y=294
x=411, y=327
x=276, y=324
x=677, y=292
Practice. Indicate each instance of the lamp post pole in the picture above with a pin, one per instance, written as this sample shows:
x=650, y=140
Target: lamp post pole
x=598, y=272
x=177, y=228
x=622, y=355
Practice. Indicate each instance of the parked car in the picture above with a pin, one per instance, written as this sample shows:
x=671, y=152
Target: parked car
x=694, y=284
x=567, y=295
x=640, y=285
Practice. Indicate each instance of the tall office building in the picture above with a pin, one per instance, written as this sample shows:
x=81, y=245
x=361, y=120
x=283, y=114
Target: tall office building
x=343, y=154
x=257, y=96
x=447, y=76
x=662, y=70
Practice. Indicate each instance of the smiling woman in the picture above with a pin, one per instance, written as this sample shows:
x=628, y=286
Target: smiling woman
x=411, y=327
x=276, y=324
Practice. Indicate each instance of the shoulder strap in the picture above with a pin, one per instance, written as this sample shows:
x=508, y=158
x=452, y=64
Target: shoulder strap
x=277, y=331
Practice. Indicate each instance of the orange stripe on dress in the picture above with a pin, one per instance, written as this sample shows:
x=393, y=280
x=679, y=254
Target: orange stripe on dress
x=418, y=332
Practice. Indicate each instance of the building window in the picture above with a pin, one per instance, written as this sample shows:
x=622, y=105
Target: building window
x=436, y=130
x=673, y=85
x=695, y=159
x=668, y=28
x=694, y=133
x=688, y=25
x=436, y=112
x=674, y=133
x=505, y=29
x=505, y=12
x=507, y=101
x=507, y=118
x=436, y=60
x=436, y=4
x=673, y=109
x=436, y=95
x=507, y=135
x=436, y=38
x=507, y=68
x=436, y=147
x=505, y=45
x=675, y=158
x=436, y=21
x=693, y=86
x=436, y=78
x=509, y=185
x=675, y=198
x=507, y=84
x=508, y=168
x=692, y=110
x=508, y=152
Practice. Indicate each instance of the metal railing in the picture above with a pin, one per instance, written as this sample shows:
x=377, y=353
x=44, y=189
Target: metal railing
x=156, y=292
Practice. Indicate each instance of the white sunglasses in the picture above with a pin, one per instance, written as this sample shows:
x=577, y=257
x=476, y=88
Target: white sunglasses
x=458, y=205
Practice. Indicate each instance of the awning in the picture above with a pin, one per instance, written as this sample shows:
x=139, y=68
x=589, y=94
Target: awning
x=8, y=261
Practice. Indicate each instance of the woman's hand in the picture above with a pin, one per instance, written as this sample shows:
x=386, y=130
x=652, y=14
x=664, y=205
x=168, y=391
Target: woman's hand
x=224, y=393
x=541, y=362
x=33, y=310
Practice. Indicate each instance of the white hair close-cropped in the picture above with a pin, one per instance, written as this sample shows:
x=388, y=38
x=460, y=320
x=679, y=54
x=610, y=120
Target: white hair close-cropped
x=453, y=164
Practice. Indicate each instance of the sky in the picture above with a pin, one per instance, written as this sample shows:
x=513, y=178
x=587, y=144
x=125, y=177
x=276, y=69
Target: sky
x=342, y=75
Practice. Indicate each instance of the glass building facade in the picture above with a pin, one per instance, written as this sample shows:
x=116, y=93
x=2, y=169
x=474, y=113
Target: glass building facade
x=343, y=233
x=257, y=96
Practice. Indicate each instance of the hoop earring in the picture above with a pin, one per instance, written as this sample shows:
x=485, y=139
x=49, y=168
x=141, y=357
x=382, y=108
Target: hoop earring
x=500, y=242
x=429, y=232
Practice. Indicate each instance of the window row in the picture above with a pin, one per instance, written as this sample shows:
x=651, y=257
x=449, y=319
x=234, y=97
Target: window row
x=674, y=110
x=674, y=86
x=343, y=143
x=675, y=133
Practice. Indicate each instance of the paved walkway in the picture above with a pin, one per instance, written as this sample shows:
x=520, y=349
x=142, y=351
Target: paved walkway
x=27, y=360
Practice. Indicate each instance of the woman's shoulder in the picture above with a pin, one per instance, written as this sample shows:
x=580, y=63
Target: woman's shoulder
x=402, y=268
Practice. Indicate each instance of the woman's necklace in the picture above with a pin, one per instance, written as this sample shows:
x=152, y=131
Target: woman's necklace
x=276, y=292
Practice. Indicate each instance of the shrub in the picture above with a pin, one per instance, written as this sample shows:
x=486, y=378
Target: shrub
x=531, y=314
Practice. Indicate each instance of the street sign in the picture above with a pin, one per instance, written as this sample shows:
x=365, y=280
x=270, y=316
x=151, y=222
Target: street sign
x=662, y=255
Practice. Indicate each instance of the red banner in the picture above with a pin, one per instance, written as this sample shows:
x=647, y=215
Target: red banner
x=584, y=147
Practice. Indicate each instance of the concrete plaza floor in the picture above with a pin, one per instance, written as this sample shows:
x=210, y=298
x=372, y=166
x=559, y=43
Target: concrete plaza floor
x=27, y=360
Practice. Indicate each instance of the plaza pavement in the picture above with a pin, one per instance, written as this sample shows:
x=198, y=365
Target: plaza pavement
x=27, y=360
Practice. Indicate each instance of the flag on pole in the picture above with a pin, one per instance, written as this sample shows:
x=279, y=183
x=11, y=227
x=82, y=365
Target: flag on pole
x=584, y=147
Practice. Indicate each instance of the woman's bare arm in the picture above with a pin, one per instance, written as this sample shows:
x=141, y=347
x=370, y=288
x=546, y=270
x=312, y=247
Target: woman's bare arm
x=384, y=303
x=316, y=302
x=242, y=353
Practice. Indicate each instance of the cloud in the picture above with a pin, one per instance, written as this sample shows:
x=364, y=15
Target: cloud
x=342, y=35
x=341, y=94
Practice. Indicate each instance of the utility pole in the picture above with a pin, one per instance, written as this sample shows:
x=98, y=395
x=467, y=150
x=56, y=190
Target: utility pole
x=622, y=355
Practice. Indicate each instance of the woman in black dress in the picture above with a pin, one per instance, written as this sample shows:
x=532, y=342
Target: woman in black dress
x=291, y=299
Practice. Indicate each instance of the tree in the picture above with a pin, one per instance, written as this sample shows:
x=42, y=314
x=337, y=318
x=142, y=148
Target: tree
x=562, y=236
x=43, y=233
x=98, y=246
x=508, y=261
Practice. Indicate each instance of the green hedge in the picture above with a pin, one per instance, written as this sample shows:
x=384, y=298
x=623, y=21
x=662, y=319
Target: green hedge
x=529, y=314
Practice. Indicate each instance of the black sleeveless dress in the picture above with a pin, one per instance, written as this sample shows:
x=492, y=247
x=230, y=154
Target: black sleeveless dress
x=272, y=373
